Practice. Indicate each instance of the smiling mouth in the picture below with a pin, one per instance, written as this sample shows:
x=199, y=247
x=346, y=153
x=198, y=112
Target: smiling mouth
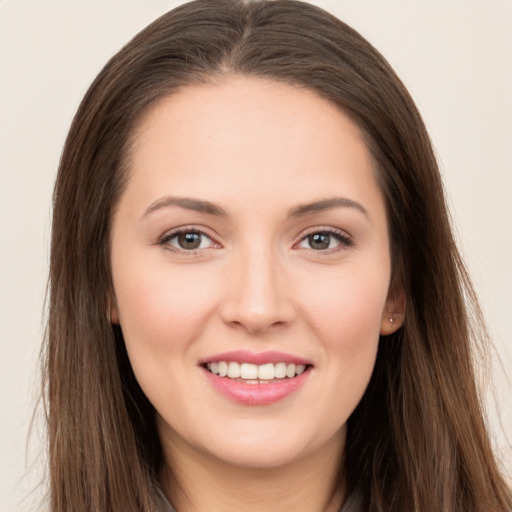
x=254, y=373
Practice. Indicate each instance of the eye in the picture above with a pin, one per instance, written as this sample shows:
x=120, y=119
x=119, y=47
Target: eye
x=188, y=240
x=325, y=240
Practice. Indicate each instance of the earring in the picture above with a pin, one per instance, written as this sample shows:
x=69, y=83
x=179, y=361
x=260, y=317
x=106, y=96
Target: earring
x=391, y=320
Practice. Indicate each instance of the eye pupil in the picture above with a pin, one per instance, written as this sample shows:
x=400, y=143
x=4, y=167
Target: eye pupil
x=189, y=240
x=319, y=241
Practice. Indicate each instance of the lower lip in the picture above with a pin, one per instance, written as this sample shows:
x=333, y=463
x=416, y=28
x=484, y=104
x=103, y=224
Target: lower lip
x=262, y=393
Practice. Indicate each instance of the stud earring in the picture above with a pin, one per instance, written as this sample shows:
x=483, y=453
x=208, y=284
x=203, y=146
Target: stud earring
x=391, y=320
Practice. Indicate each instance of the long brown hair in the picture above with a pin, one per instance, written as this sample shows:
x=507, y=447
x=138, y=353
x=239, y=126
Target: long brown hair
x=417, y=441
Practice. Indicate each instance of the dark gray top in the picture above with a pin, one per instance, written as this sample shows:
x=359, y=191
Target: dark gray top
x=161, y=502
x=353, y=503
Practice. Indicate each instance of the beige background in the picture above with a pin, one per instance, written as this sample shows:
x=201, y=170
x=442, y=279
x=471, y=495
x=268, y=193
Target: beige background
x=454, y=55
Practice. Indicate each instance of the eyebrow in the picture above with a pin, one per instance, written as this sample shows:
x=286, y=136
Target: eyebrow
x=209, y=208
x=326, y=204
x=188, y=203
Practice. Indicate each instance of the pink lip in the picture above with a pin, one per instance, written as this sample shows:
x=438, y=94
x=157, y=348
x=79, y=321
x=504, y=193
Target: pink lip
x=261, y=393
x=241, y=356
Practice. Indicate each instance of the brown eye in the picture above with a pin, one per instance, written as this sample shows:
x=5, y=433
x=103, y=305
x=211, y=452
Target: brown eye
x=319, y=241
x=189, y=241
x=325, y=240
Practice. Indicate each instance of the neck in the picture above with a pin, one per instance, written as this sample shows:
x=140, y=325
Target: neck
x=197, y=482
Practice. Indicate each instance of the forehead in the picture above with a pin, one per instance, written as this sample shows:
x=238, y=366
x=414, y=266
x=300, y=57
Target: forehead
x=248, y=137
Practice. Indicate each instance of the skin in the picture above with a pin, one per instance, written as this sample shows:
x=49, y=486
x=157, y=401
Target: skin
x=256, y=149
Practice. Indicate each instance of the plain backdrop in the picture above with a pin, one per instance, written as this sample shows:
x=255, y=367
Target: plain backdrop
x=455, y=56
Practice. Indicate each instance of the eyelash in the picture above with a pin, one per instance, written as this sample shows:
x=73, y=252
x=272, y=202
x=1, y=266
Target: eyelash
x=340, y=236
x=164, y=241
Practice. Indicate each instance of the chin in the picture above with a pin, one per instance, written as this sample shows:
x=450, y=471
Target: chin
x=264, y=445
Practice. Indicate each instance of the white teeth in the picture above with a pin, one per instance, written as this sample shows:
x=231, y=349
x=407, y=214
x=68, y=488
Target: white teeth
x=233, y=370
x=248, y=371
x=266, y=371
x=290, y=370
x=280, y=369
x=223, y=368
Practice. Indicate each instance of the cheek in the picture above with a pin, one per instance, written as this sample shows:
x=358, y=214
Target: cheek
x=160, y=311
x=162, y=316
x=348, y=305
x=351, y=333
x=345, y=312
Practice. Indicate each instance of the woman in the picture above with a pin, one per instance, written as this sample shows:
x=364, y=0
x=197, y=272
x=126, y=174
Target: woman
x=256, y=299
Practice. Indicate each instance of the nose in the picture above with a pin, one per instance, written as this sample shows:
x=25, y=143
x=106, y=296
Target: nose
x=257, y=299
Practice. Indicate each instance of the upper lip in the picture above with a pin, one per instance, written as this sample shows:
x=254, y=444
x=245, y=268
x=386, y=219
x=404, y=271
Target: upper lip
x=258, y=358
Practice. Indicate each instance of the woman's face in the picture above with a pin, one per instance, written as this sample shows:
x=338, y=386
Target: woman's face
x=251, y=239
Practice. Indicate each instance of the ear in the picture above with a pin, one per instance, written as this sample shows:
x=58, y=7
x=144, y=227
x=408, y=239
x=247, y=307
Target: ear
x=394, y=311
x=112, y=314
